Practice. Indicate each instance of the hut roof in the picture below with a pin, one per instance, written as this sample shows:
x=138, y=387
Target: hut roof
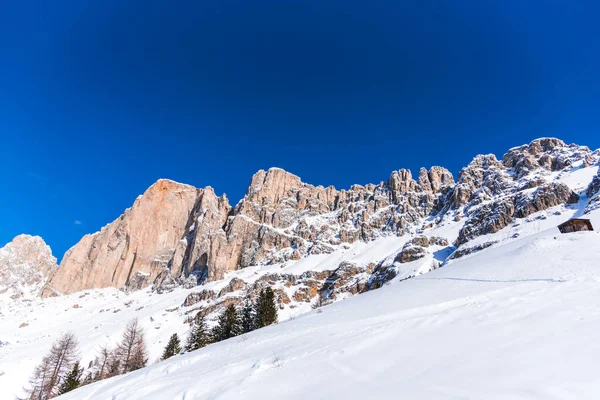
x=573, y=220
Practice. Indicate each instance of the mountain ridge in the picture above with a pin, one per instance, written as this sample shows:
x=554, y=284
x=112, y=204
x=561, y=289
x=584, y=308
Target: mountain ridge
x=176, y=234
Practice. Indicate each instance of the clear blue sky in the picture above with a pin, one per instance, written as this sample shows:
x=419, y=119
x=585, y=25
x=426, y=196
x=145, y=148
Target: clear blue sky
x=98, y=99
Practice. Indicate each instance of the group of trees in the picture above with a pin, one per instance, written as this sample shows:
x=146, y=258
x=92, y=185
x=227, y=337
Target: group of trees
x=48, y=379
x=130, y=354
x=60, y=370
x=232, y=322
x=252, y=316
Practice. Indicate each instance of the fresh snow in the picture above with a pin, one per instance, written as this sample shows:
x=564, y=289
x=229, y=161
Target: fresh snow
x=518, y=321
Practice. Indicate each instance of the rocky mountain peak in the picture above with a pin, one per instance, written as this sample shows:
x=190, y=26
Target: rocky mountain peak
x=548, y=153
x=272, y=182
x=133, y=249
x=402, y=182
x=25, y=264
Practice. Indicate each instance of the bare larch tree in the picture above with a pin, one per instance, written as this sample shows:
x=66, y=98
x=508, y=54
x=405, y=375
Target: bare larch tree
x=54, y=367
x=131, y=351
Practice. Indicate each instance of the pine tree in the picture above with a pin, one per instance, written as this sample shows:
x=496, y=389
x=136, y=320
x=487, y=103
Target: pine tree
x=227, y=326
x=266, y=309
x=72, y=381
x=247, y=319
x=198, y=336
x=258, y=307
x=131, y=353
x=173, y=347
x=54, y=367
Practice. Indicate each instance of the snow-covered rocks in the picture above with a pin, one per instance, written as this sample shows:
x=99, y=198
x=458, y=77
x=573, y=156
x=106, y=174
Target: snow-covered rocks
x=550, y=154
x=528, y=180
x=25, y=264
x=416, y=248
x=593, y=192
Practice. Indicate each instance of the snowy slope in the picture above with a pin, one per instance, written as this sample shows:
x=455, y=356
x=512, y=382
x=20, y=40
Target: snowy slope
x=517, y=321
x=496, y=323
x=476, y=287
x=28, y=326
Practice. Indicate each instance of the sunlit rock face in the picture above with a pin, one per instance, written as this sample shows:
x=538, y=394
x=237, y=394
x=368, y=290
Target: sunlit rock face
x=142, y=240
x=176, y=234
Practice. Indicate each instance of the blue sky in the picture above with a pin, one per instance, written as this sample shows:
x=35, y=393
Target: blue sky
x=99, y=99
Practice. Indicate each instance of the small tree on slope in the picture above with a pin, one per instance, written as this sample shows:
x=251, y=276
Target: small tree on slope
x=228, y=325
x=131, y=352
x=72, y=381
x=247, y=320
x=198, y=336
x=173, y=347
x=266, y=309
x=101, y=364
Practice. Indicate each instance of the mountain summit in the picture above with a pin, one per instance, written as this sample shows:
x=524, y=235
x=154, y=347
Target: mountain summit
x=25, y=264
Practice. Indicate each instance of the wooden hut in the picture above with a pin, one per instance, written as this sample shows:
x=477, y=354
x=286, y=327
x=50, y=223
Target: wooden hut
x=575, y=225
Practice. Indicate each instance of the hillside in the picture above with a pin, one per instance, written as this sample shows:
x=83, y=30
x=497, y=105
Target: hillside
x=517, y=321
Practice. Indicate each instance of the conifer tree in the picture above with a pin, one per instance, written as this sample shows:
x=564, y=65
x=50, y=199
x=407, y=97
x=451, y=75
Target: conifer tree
x=247, y=319
x=266, y=309
x=228, y=325
x=131, y=353
x=72, y=381
x=258, y=307
x=198, y=336
x=173, y=347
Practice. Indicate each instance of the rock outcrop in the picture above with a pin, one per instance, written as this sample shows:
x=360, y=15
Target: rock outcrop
x=550, y=154
x=25, y=264
x=593, y=192
x=416, y=248
x=143, y=239
x=492, y=193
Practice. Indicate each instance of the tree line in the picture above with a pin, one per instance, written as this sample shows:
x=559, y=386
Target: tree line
x=232, y=322
x=60, y=370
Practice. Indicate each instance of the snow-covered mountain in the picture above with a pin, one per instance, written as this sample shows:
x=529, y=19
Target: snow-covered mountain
x=25, y=264
x=488, y=243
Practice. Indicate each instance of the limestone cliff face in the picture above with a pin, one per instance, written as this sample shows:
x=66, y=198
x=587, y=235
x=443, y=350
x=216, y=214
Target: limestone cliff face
x=176, y=234
x=205, y=250
x=141, y=241
x=25, y=264
x=281, y=218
